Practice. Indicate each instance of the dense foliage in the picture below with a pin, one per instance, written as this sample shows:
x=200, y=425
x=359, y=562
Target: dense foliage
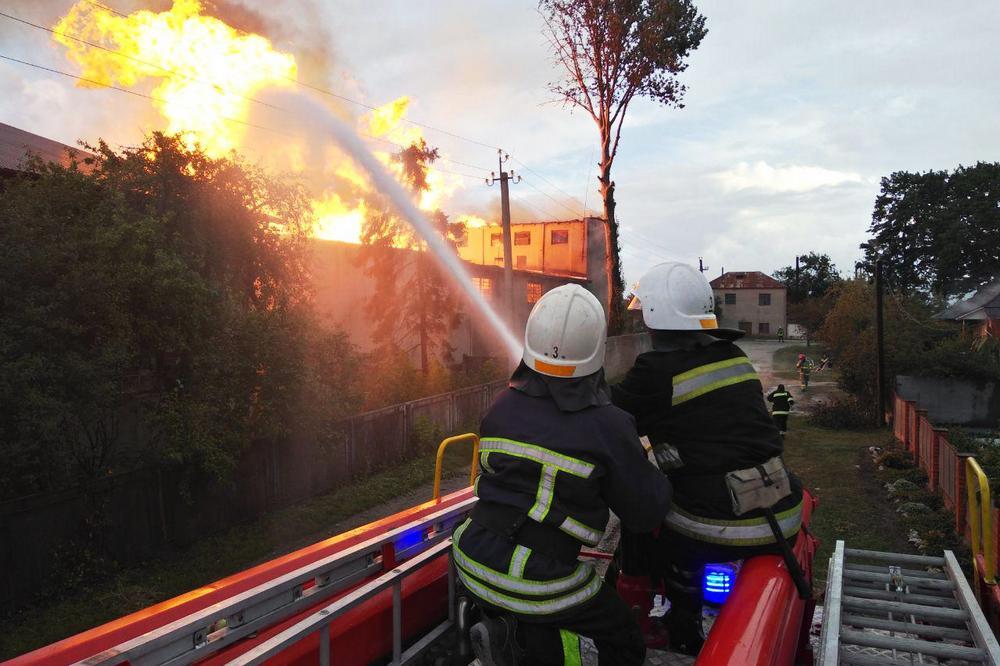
x=915, y=344
x=156, y=308
x=938, y=232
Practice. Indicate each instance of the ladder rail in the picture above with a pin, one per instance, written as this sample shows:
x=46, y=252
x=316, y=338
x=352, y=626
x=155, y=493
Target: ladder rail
x=830, y=638
x=978, y=625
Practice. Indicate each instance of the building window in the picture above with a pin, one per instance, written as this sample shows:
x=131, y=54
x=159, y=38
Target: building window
x=746, y=327
x=534, y=291
x=763, y=328
x=763, y=299
x=730, y=299
x=522, y=238
x=560, y=236
x=522, y=261
x=484, y=285
x=496, y=240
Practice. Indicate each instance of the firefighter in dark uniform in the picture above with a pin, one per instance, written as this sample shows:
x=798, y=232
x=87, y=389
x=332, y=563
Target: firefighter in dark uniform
x=555, y=456
x=698, y=399
x=781, y=403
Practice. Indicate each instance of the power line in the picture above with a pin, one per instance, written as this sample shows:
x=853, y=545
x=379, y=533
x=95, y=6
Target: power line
x=546, y=194
x=530, y=170
x=127, y=91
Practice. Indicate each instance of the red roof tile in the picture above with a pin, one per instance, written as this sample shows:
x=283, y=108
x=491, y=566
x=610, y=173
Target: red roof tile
x=746, y=280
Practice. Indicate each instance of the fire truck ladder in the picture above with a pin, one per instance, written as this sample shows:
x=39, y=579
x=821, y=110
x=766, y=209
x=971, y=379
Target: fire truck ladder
x=888, y=608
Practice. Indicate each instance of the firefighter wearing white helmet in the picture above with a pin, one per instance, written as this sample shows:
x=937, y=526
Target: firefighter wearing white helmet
x=697, y=397
x=555, y=457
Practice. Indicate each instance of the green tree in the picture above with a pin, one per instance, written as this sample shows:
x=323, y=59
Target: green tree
x=612, y=52
x=938, y=232
x=155, y=308
x=816, y=275
x=413, y=306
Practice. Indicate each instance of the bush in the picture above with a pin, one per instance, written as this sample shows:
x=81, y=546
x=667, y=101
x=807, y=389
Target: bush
x=843, y=413
x=895, y=459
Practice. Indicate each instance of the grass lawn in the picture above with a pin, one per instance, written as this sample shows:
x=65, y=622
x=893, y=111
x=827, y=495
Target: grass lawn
x=216, y=557
x=836, y=467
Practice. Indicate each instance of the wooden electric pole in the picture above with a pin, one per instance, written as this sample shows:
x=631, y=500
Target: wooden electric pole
x=508, y=250
x=879, y=347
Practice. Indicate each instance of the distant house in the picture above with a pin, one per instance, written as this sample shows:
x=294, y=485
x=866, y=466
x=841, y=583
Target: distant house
x=752, y=302
x=980, y=313
x=18, y=146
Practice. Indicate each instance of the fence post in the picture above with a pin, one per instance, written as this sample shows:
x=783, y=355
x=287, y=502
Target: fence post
x=921, y=422
x=934, y=473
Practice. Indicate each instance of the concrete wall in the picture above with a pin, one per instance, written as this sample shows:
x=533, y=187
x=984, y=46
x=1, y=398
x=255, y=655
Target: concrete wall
x=622, y=350
x=747, y=309
x=953, y=401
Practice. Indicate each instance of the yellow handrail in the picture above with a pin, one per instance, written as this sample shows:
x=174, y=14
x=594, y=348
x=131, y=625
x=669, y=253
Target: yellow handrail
x=439, y=463
x=980, y=512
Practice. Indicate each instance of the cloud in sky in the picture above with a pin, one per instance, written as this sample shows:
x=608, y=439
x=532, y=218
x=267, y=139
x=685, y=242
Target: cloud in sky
x=762, y=176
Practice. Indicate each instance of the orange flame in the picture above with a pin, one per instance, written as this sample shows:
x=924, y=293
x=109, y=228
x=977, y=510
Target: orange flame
x=205, y=69
x=205, y=74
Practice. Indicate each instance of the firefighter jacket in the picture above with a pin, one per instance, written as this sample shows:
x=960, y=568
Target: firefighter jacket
x=552, y=474
x=781, y=402
x=701, y=395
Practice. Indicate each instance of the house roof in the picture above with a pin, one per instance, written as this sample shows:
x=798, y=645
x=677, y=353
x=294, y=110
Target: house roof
x=984, y=304
x=746, y=280
x=16, y=145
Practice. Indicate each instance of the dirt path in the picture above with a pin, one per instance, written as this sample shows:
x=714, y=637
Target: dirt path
x=822, y=385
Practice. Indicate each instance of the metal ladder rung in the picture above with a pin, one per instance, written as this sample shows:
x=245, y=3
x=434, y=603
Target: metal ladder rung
x=847, y=657
x=914, y=645
x=927, y=630
x=893, y=558
x=945, y=586
x=908, y=573
x=885, y=595
x=917, y=610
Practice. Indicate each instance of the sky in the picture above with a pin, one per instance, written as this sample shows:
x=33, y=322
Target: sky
x=794, y=111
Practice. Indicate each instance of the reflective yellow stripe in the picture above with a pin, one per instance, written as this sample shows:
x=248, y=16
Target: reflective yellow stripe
x=749, y=532
x=518, y=561
x=527, y=606
x=584, y=533
x=544, y=494
x=571, y=647
x=503, y=581
x=539, y=454
x=713, y=376
x=777, y=413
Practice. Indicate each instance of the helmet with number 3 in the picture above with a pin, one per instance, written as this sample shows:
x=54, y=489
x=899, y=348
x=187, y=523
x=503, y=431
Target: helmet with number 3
x=566, y=333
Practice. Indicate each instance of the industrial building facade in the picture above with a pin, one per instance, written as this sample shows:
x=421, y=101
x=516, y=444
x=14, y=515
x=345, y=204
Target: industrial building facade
x=752, y=302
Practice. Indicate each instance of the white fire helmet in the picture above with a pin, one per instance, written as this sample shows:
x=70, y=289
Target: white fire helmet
x=676, y=297
x=566, y=333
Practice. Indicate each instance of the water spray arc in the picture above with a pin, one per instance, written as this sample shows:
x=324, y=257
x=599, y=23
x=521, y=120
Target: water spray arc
x=325, y=123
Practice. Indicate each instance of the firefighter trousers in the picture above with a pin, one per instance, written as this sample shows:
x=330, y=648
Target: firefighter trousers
x=604, y=622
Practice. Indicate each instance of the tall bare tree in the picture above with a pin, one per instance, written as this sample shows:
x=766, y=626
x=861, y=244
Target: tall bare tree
x=611, y=52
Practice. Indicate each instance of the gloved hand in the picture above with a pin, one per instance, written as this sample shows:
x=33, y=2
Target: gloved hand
x=667, y=457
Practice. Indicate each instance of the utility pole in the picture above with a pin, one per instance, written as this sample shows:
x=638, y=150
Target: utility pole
x=797, y=276
x=879, y=347
x=508, y=250
x=701, y=265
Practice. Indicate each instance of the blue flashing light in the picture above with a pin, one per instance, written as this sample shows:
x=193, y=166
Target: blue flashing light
x=409, y=539
x=717, y=582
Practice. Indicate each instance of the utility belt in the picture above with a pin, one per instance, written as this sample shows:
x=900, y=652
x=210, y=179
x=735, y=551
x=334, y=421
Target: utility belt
x=514, y=525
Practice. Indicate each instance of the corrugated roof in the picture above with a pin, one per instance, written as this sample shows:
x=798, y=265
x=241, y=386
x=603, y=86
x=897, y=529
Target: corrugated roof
x=16, y=145
x=746, y=280
x=976, y=307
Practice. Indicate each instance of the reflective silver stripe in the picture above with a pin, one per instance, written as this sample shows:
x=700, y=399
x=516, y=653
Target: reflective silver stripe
x=702, y=380
x=527, y=606
x=752, y=532
x=539, y=454
x=518, y=561
x=520, y=585
x=543, y=496
x=586, y=534
x=777, y=413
